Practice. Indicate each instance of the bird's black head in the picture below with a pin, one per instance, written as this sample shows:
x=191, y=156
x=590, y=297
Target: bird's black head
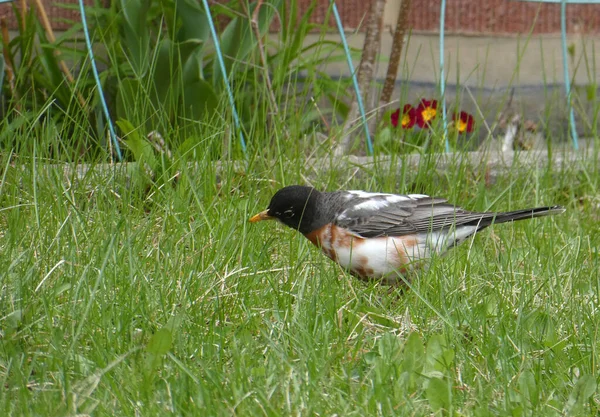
x=295, y=206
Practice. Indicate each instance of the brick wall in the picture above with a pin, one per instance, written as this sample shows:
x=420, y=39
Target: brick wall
x=476, y=16
x=59, y=16
x=483, y=17
x=503, y=17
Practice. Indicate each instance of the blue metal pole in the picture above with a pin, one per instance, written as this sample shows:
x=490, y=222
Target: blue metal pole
x=442, y=76
x=563, y=33
x=88, y=44
x=213, y=33
x=359, y=100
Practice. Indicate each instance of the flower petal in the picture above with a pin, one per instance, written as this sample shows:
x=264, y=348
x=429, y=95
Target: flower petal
x=464, y=122
x=426, y=112
x=395, y=117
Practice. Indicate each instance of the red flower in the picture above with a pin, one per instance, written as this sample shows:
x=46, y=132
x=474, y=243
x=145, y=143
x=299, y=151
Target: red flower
x=395, y=116
x=464, y=122
x=426, y=112
x=409, y=117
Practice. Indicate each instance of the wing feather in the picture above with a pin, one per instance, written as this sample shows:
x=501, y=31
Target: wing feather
x=401, y=216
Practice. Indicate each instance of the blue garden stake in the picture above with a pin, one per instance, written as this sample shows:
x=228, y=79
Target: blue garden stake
x=563, y=36
x=563, y=33
x=213, y=33
x=361, y=107
x=88, y=44
x=442, y=77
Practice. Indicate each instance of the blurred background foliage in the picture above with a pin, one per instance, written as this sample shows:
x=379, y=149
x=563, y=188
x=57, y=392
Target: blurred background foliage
x=159, y=72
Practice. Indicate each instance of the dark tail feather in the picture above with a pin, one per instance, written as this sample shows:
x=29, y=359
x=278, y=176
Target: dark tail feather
x=511, y=216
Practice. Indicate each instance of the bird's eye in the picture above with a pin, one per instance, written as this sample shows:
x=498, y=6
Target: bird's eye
x=288, y=213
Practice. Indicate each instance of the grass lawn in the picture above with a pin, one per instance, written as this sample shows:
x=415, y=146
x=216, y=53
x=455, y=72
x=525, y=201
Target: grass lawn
x=120, y=302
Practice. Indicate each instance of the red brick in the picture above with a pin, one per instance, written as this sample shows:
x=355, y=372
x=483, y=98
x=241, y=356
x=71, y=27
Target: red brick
x=485, y=17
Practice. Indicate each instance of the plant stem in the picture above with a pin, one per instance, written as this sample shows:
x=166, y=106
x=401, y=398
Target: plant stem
x=366, y=70
x=263, y=61
x=395, y=55
x=10, y=75
x=50, y=33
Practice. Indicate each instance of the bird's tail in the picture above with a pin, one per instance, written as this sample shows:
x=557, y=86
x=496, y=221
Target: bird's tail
x=511, y=216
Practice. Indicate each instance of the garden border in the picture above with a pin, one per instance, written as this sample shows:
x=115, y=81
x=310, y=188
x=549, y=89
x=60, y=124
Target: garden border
x=490, y=163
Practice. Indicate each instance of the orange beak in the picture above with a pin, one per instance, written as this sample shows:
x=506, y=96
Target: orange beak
x=261, y=216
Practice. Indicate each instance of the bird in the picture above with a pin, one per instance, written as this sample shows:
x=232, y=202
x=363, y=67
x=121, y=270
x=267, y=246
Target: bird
x=381, y=236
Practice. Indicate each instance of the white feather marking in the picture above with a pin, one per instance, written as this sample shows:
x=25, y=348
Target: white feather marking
x=396, y=198
x=417, y=196
x=326, y=239
x=441, y=241
x=461, y=233
x=362, y=194
x=371, y=204
x=414, y=253
x=392, y=198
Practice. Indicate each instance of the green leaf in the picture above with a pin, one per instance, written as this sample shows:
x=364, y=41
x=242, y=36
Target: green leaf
x=340, y=107
x=384, y=136
x=413, y=358
x=53, y=79
x=192, y=68
x=127, y=97
x=160, y=342
x=164, y=82
x=438, y=358
x=371, y=358
x=140, y=147
x=414, y=353
x=389, y=348
x=591, y=92
x=12, y=128
x=193, y=21
x=439, y=394
x=158, y=346
x=582, y=391
x=528, y=388
x=14, y=319
x=199, y=98
x=297, y=30
x=517, y=411
x=136, y=33
x=238, y=40
x=173, y=323
x=588, y=386
x=191, y=149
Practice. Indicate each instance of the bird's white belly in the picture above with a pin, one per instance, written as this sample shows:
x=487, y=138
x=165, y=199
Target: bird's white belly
x=373, y=257
x=383, y=256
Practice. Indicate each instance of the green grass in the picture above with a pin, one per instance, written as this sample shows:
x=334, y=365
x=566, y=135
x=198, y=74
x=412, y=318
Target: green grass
x=117, y=301
x=122, y=297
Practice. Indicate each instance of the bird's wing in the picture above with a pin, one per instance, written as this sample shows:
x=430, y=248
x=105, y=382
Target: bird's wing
x=373, y=215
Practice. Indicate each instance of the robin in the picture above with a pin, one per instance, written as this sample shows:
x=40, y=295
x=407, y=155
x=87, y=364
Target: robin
x=378, y=235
